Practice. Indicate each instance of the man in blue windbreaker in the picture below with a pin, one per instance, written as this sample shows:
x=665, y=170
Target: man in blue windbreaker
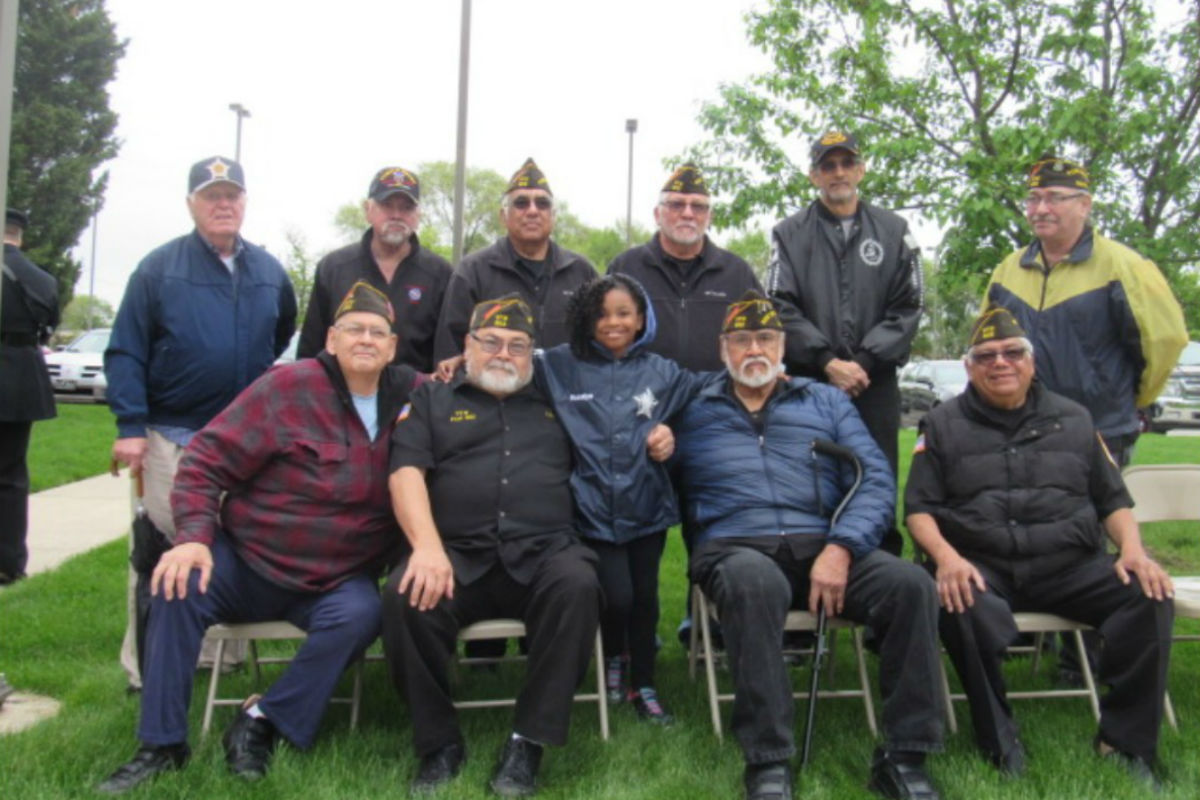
x=760, y=501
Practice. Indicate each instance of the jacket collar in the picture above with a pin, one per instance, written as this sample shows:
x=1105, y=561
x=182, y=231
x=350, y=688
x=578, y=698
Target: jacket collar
x=1082, y=251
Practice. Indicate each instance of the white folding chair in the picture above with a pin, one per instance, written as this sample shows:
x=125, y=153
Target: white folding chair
x=252, y=632
x=515, y=629
x=703, y=612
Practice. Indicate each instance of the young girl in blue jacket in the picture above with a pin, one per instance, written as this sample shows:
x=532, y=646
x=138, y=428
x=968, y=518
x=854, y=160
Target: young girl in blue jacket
x=610, y=392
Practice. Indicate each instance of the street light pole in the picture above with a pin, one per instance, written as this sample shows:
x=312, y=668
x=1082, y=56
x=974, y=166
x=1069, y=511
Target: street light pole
x=631, y=129
x=460, y=152
x=242, y=112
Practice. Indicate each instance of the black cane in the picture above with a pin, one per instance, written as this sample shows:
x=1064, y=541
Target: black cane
x=821, y=649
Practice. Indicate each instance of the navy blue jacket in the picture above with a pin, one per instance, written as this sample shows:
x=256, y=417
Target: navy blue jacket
x=608, y=406
x=739, y=484
x=189, y=336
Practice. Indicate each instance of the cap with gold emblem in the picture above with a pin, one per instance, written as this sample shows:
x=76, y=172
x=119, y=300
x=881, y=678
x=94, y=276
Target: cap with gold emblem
x=995, y=323
x=833, y=140
x=216, y=169
x=365, y=297
x=686, y=180
x=1050, y=170
x=752, y=313
x=529, y=176
x=510, y=312
x=394, y=180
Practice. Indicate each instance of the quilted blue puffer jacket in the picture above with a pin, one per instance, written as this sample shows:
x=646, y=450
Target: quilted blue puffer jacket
x=738, y=483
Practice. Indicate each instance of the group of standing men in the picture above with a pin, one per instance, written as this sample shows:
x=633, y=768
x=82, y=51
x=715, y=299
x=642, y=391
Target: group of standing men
x=206, y=314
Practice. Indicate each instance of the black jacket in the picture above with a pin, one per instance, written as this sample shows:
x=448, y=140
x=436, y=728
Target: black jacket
x=1024, y=490
x=493, y=271
x=690, y=307
x=856, y=298
x=416, y=291
x=30, y=312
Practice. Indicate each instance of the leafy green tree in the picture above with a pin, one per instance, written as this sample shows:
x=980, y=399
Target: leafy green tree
x=86, y=312
x=300, y=266
x=598, y=245
x=755, y=248
x=954, y=99
x=62, y=127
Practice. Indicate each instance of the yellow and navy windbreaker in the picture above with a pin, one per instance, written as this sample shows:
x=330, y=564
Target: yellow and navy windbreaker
x=1105, y=327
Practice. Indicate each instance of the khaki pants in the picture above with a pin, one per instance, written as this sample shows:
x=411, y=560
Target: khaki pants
x=159, y=466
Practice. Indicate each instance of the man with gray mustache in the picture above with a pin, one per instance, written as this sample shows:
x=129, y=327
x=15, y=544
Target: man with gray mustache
x=760, y=498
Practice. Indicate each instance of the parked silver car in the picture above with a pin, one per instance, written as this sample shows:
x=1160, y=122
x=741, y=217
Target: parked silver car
x=924, y=385
x=1178, y=406
x=78, y=368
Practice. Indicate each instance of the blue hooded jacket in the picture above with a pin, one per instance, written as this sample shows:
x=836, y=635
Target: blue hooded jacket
x=741, y=484
x=608, y=406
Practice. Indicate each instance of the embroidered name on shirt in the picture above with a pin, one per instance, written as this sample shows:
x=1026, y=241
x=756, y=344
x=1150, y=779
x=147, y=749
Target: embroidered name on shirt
x=462, y=415
x=581, y=398
x=714, y=293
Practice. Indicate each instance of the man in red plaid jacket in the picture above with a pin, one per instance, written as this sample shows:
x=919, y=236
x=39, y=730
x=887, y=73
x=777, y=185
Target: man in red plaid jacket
x=282, y=512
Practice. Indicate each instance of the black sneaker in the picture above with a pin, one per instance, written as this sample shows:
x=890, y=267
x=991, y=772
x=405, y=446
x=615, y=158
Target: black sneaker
x=148, y=762
x=614, y=679
x=768, y=781
x=249, y=743
x=649, y=707
x=516, y=772
x=901, y=775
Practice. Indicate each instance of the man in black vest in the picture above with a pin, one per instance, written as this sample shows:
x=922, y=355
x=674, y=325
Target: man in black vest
x=1009, y=493
x=29, y=314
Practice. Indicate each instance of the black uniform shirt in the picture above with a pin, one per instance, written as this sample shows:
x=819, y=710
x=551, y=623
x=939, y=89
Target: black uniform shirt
x=498, y=473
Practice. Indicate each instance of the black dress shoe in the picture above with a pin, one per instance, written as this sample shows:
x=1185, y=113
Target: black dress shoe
x=249, y=743
x=438, y=767
x=901, y=776
x=768, y=781
x=1011, y=763
x=146, y=763
x=516, y=772
x=1146, y=772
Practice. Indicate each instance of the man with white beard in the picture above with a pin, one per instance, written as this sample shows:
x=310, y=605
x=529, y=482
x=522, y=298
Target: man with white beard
x=389, y=257
x=480, y=485
x=760, y=499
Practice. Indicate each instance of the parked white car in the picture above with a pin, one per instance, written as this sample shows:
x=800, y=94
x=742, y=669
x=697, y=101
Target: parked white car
x=78, y=368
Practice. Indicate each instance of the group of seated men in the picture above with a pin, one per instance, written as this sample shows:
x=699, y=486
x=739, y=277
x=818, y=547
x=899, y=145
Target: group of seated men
x=286, y=508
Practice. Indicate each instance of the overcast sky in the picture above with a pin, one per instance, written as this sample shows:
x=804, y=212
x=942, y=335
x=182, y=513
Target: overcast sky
x=337, y=93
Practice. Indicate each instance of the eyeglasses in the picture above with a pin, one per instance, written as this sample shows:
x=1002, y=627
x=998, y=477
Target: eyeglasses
x=355, y=331
x=1012, y=355
x=1052, y=200
x=743, y=339
x=829, y=165
x=517, y=348
x=699, y=208
x=521, y=202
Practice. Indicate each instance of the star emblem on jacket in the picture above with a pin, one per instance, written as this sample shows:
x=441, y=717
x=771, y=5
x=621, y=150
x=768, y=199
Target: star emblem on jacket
x=646, y=401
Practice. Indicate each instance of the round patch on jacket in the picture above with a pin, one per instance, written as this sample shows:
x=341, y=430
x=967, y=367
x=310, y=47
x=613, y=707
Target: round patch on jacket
x=871, y=252
x=414, y=294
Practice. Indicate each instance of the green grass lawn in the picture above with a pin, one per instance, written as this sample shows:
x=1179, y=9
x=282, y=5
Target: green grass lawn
x=60, y=631
x=74, y=445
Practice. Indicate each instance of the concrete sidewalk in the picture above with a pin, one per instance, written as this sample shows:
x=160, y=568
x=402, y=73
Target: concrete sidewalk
x=76, y=517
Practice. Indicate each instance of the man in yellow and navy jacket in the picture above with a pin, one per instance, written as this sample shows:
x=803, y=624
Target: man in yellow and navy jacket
x=1106, y=329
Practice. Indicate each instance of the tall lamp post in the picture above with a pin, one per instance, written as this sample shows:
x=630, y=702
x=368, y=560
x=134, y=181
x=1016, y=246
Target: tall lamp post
x=631, y=129
x=242, y=112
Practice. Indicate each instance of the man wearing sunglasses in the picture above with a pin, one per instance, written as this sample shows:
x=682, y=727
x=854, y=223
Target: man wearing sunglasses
x=847, y=277
x=526, y=261
x=1010, y=493
x=1106, y=327
x=480, y=484
x=390, y=258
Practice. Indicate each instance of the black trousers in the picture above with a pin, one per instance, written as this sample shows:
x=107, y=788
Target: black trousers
x=560, y=608
x=14, y=497
x=629, y=576
x=753, y=592
x=879, y=407
x=1133, y=662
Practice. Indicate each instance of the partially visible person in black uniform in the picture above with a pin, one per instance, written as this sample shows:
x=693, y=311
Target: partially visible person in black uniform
x=480, y=484
x=390, y=258
x=27, y=318
x=690, y=282
x=526, y=261
x=1010, y=492
x=847, y=278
